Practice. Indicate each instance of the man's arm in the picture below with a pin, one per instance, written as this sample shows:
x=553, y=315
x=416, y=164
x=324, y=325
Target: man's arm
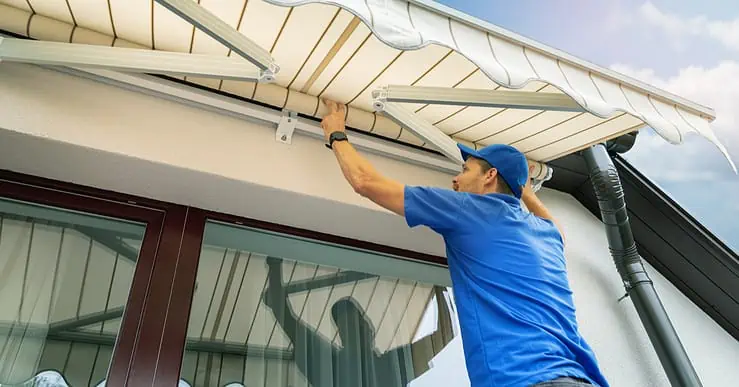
x=360, y=174
x=537, y=208
x=275, y=298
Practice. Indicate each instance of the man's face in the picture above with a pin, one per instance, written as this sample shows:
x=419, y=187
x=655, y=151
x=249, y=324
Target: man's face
x=472, y=179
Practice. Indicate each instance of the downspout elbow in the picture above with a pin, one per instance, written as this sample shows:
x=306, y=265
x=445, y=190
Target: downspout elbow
x=610, y=194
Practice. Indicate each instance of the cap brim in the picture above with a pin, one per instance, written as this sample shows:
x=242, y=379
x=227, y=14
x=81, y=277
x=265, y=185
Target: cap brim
x=467, y=152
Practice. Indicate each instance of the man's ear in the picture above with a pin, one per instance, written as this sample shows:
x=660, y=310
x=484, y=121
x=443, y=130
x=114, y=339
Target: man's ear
x=490, y=175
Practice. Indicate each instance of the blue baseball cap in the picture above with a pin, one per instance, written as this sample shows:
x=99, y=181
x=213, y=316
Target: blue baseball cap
x=509, y=161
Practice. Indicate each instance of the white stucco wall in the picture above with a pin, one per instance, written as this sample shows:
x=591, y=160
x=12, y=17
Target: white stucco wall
x=613, y=328
x=62, y=127
x=81, y=131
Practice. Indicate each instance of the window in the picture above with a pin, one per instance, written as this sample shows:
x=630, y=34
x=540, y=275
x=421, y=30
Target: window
x=65, y=278
x=98, y=288
x=276, y=310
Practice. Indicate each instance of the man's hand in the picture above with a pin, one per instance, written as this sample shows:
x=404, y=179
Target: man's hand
x=333, y=121
x=528, y=190
x=360, y=174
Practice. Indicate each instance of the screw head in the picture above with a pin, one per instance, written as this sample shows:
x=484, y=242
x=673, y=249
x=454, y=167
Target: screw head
x=284, y=137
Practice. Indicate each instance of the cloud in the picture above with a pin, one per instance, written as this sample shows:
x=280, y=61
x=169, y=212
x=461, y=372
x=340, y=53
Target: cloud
x=695, y=173
x=716, y=87
x=615, y=18
x=678, y=28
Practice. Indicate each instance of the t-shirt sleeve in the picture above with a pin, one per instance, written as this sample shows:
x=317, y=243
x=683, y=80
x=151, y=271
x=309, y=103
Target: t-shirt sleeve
x=439, y=209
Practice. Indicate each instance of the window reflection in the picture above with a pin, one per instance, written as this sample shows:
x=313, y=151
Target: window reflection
x=64, y=281
x=352, y=358
x=258, y=319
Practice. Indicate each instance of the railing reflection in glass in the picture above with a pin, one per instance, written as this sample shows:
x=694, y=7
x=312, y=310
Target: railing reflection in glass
x=65, y=277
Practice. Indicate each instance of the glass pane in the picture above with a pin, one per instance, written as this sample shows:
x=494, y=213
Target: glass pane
x=64, y=282
x=272, y=310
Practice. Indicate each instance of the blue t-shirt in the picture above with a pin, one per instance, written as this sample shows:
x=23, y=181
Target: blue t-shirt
x=510, y=282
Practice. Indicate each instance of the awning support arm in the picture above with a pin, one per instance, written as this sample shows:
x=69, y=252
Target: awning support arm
x=440, y=140
x=421, y=128
x=221, y=31
x=130, y=60
x=477, y=97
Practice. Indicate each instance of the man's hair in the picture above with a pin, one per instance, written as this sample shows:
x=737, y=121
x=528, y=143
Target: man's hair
x=503, y=187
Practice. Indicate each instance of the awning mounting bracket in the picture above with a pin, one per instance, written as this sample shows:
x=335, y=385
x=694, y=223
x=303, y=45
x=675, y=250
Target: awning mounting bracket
x=286, y=126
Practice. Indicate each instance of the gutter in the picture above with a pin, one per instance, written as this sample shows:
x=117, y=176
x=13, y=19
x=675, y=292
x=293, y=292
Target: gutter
x=639, y=286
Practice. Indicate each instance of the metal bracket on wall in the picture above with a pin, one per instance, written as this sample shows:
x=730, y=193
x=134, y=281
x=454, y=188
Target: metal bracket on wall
x=286, y=127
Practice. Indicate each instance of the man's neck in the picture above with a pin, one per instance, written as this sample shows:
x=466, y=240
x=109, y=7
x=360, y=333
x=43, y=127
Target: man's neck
x=490, y=190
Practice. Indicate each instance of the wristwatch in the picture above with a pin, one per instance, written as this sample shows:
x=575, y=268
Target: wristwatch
x=336, y=136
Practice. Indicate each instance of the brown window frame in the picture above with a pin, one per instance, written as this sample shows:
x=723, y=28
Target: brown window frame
x=47, y=192
x=151, y=344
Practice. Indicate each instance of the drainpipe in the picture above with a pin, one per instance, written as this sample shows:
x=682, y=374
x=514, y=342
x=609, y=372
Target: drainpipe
x=639, y=287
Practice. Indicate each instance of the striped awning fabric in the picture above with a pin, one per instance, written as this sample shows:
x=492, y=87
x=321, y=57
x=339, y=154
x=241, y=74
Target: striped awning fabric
x=345, y=49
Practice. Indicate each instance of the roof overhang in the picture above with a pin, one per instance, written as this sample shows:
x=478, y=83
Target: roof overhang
x=355, y=51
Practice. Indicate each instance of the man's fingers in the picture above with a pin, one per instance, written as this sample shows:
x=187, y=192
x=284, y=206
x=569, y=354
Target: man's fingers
x=333, y=106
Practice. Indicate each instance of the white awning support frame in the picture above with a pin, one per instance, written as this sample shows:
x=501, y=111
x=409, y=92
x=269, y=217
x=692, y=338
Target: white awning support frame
x=477, y=97
x=219, y=30
x=126, y=59
x=421, y=128
x=441, y=141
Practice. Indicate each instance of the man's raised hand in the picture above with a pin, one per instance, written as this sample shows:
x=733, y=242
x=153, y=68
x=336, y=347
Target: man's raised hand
x=333, y=121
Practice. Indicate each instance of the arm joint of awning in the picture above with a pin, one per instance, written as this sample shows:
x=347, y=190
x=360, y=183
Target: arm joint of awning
x=213, y=26
x=435, y=136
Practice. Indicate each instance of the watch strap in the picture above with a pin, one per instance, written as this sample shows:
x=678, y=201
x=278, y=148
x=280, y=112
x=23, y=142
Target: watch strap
x=336, y=136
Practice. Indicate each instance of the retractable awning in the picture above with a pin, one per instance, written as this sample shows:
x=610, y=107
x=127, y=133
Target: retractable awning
x=363, y=52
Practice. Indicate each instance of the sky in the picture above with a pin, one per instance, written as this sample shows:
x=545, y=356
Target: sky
x=687, y=47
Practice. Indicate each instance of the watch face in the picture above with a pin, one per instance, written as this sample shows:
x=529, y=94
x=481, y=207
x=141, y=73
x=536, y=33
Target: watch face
x=337, y=136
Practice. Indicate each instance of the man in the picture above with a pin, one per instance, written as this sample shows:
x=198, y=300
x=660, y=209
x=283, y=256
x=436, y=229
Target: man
x=356, y=363
x=508, y=268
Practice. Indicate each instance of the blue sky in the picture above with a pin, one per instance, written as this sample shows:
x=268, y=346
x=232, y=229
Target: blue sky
x=687, y=47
